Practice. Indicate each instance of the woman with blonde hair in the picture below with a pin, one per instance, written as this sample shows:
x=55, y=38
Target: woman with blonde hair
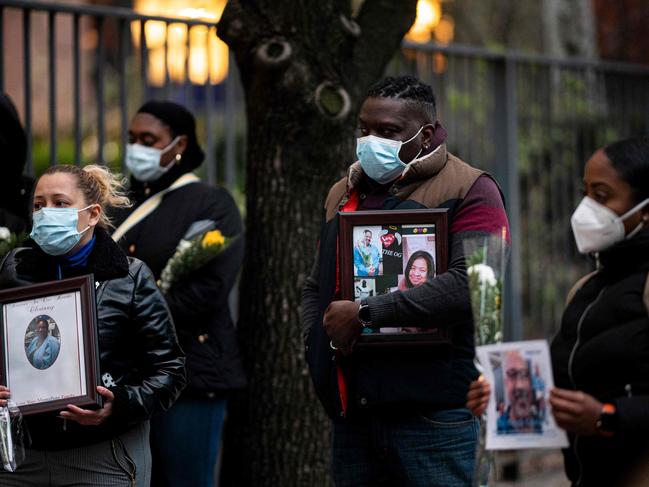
x=141, y=364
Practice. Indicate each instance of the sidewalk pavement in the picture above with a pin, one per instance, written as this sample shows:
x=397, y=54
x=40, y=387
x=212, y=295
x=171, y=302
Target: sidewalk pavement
x=534, y=468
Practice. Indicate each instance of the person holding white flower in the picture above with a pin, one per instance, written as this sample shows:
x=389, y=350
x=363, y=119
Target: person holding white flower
x=600, y=355
x=169, y=200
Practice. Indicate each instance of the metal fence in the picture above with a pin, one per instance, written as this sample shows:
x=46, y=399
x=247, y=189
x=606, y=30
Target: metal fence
x=533, y=121
x=530, y=120
x=88, y=67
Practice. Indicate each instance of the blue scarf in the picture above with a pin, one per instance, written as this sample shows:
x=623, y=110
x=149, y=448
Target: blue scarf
x=78, y=259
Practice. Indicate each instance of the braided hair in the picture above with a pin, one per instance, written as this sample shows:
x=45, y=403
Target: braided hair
x=417, y=95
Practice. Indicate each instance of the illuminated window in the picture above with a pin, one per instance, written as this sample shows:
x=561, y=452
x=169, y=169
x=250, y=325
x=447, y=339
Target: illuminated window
x=203, y=52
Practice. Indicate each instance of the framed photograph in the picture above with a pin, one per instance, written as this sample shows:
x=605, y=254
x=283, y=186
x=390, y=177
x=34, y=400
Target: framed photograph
x=518, y=415
x=385, y=251
x=48, y=353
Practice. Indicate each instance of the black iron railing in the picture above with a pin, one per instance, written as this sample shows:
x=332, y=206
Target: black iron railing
x=530, y=120
x=129, y=75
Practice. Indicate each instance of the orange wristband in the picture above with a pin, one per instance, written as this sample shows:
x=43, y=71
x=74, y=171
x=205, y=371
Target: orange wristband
x=607, y=422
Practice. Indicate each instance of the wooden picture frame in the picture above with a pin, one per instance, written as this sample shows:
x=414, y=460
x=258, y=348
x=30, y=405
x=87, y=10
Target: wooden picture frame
x=416, y=240
x=49, y=354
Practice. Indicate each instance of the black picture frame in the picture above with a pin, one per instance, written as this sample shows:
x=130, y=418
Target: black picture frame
x=40, y=380
x=385, y=220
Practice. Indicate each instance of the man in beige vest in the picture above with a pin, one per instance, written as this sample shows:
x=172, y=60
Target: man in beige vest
x=398, y=415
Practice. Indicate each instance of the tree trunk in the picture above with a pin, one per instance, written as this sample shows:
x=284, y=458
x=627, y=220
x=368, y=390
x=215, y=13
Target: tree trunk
x=304, y=66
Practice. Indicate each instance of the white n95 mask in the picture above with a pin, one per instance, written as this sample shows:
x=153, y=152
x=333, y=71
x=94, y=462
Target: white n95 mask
x=597, y=227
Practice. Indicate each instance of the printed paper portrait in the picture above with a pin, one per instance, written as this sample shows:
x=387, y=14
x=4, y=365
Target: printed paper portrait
x=519, y=414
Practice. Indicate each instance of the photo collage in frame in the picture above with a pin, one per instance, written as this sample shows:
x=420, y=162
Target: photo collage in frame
x=389, y=251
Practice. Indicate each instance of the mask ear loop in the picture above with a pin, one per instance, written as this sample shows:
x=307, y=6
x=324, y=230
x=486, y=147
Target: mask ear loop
x=640, y=225
x=170, y=146
x=634, y=232
x=177, y=157
x=412, y=138
x=84, y=209
x=404, y=142
x=421, y=149
x=637, y=207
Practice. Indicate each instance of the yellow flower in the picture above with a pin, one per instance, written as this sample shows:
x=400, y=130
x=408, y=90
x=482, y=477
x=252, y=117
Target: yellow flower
x=215, y=237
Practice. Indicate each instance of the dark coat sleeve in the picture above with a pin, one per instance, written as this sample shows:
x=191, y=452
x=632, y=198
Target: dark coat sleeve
x=164, y=370
x=444, y=299
x=206, y=290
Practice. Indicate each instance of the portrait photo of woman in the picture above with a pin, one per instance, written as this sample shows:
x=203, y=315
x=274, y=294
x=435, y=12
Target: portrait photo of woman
x=419, y=268
x=43, y=348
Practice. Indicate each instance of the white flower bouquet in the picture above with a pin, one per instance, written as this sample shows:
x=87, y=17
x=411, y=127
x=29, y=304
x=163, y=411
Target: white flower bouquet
x=486, y=258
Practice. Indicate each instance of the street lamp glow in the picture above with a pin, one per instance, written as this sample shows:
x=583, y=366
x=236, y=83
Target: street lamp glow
x=204, y=53
x=445, y=30
x=429, y=13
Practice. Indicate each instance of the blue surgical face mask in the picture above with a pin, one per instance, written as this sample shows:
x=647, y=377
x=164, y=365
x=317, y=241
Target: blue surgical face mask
x=55, y=229
x=379, y=157
x=144, y=162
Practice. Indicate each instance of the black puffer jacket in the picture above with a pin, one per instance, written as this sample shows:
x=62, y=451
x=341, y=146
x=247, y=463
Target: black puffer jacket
x=607, y=356
x=137, y=341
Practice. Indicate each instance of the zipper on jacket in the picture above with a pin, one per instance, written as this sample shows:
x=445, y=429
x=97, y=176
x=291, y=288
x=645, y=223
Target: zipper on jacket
x=571, y=359
x=572, y=378
x=99, y=290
